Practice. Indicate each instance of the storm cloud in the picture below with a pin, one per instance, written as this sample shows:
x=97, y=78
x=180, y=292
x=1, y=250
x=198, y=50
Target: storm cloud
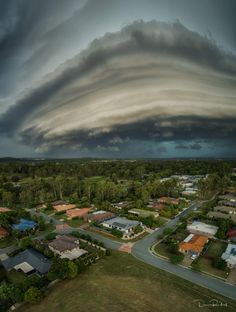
x=151, y=84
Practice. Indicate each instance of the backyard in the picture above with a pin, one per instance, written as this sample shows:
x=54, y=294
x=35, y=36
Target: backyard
x=122, y=283
x=214, y=251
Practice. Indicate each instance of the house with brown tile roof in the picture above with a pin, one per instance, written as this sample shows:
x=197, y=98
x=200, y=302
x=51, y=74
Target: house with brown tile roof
x=99, y=216
x=168, y=200
x=64, y=207
x=77, y=212
x=193, y=244
x=3, y=232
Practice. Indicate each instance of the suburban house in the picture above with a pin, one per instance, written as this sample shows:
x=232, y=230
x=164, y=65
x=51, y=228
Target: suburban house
x=3, y=232
x=124, y=225
x=231, y=234
x=201, y=228
x=229, y=197
x=223, y=212
x=193, y=244
x=63, y=207
x=230, y=203
x=77, y=213
x=230, y=256
x=169, y=201
x=143, y=213
x=4, y=209
x=25, y=225
x=28, y=261
x=120, y=205
x=99, y=216
x=66, y=247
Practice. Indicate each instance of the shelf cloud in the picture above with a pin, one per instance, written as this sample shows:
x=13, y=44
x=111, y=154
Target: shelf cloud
x=149, y=82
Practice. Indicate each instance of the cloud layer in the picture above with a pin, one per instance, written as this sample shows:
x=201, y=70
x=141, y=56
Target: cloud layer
x=150, y=82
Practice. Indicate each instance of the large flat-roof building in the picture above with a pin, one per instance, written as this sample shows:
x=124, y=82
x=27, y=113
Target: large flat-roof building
x=201, y=228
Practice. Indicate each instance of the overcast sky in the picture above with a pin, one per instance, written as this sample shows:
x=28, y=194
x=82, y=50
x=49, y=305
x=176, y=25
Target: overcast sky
x=118, y=78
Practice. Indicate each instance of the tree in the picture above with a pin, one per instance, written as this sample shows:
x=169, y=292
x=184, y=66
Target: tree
x=62, y=269
x=175, y=259
x=25, y=242
x=138, y=229
x=72, y=269
x=51, y=236
x=219, y=263
x=167, y=231
x=33, y=295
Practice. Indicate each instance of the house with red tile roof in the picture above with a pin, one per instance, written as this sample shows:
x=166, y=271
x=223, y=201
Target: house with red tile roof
x=193, y=244
x=3, y=232
x=231, y=234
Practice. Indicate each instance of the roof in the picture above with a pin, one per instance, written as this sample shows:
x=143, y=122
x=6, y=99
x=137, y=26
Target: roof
x=64, y=243
x=121, y=222
x=4, y=209
x=230, y=254
x=231, y=233
x=194, y=243
x=24, y=225
x=100, y=216
x=60, y=227
x=64, y=207
x=77, y=212
x=203, y=227
x=3, y=232
x=221, y=215
x=143, y=213
x=225, y=209
x=30, y=256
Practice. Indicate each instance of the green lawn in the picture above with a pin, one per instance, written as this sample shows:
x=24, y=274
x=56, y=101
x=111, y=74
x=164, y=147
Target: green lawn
x=161, y=249
x=120, y=283
x=207, y=267
x=215, y=249
x=75, y=222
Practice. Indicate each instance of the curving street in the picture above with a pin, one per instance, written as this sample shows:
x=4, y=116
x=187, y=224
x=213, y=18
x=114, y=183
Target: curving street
x=141, y=251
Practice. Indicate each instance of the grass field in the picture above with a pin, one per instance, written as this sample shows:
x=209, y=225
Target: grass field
x=120, y=283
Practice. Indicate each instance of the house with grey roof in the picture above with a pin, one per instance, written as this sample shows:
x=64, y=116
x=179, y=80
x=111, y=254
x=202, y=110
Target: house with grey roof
x=28, y=261
x=230, y=256
x=66, y=246
x=122, y=224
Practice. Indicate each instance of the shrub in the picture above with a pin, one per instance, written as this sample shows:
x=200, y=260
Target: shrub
x=33, y=295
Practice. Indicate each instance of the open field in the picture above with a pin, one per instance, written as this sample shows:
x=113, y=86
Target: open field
x=122, y=283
